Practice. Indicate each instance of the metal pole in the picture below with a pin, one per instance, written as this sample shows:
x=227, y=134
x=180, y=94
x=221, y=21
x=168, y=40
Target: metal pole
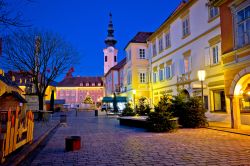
x=202, y=103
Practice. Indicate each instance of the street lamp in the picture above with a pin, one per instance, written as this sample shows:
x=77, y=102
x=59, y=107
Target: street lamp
x=134, y=92
x=201, y=76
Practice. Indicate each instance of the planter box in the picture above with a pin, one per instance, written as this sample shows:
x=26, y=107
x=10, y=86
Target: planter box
x=134, y=121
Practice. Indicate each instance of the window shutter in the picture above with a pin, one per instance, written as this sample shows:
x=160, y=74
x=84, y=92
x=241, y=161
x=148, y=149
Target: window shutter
x=219, y=51
x=207, y=56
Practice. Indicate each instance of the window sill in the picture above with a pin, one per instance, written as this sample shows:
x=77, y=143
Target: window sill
x=215, y=64
x=167, y=47
x=211, y=19
x=184, y=37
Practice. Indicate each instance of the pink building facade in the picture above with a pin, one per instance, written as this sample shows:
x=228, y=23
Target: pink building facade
x=74, y=90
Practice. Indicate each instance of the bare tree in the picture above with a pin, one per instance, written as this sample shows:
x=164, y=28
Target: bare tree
x=42, y=55
x=10, y=16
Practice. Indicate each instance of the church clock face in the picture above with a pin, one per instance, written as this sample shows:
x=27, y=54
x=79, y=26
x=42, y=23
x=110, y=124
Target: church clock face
x=110, y=50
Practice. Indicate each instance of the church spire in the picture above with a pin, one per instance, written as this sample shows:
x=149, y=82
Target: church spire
x=110, y=40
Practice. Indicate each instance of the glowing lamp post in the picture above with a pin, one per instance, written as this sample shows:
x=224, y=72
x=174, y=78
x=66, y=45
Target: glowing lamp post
x=201, y=76
x=134, y=93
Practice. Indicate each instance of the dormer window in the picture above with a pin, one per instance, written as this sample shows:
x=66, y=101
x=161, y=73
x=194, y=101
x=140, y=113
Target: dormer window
x=87, y=84
x=93, y=84
x=81, y=84
x=99, y=84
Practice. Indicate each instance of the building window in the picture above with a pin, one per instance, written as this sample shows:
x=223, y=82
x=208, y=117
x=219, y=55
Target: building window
x=167, y=40
x=243, y=27
x=99, y=84
x=114, y=58
x=154, y=49
x=219, y=101
x=87, y=84
x=185, y=26
x=154, y=77
x=93, y=84
x=187, y=64
x=161, y=75
x=142, y=53
x=168, y=72
x=160, y=44
x=142, y=77
x=129, y=78
x=106, y=58
x=215, y=54
x=213, y=12
x=81, y=84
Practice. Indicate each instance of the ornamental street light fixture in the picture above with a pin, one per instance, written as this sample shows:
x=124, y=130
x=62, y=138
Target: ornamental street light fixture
x=134, y=93
x=201, y=76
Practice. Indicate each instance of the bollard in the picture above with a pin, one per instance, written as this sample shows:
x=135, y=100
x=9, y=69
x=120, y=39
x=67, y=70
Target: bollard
x=96, y=112
x=72, y=143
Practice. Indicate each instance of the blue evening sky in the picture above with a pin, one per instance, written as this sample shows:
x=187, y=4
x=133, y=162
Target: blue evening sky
x=84, y=24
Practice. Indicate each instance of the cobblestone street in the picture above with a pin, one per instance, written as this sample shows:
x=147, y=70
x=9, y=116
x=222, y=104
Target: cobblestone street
x=105, y=142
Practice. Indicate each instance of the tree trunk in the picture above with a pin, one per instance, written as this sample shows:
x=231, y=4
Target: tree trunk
x=40, y=99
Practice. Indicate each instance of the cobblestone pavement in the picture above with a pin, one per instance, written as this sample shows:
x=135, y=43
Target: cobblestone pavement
x=41, y=128
x=105, y=142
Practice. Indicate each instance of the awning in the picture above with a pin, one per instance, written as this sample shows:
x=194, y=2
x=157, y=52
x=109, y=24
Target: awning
x=118, y=99
x=107, y=99
x=121, y=99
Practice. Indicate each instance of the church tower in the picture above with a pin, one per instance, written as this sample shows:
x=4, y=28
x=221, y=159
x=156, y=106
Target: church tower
x=110, y=52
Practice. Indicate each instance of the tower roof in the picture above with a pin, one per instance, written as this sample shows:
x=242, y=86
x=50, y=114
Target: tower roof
x=110, y=40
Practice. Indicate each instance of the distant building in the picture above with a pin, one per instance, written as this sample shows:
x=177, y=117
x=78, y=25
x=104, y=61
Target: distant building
x=75, y=89
x=114, y=79
x=110, y=52
x=25, y=82
x=136, y=71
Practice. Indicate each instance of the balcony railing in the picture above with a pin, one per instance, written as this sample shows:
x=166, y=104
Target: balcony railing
x=184, y=78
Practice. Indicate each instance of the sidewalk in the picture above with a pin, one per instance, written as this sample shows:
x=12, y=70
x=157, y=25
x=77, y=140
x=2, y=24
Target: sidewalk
x=41, y=131
x=226, y=127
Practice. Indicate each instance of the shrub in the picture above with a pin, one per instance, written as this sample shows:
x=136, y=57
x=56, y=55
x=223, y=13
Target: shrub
x=128, y=111
x=190, y=112
x=143, y=107
x=161, y=122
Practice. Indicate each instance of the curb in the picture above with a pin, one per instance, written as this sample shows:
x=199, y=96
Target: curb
x=24, y=154
x=232, y=132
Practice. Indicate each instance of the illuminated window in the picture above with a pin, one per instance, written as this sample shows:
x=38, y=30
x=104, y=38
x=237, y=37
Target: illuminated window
x=93, y=84
x=87, y=84
x=161, y=74
x=215, y=54
x=142, y=77
x=155, y=77
x=154, y=49
x=185, y=26
x=243, y=27
x=213, y=12
x=168, y=72
x=160, y=44
x=142, y=53
x=187, y=64
x=129, y=78
x=167, y=40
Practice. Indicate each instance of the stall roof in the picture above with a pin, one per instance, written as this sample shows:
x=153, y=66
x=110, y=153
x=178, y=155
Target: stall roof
x=110, y=99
